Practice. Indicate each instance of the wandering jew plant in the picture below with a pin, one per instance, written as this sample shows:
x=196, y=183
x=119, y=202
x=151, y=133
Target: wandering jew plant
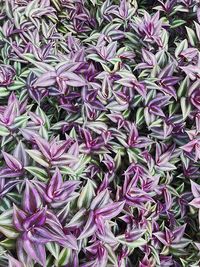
x=99, y=133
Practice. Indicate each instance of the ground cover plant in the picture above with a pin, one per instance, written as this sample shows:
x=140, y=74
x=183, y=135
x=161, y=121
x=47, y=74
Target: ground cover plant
x=99, y=133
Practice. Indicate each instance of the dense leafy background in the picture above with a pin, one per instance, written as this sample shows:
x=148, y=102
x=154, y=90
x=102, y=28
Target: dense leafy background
x=99, y=133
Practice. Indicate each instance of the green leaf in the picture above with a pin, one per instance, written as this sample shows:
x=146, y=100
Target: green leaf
x=3, y=92
x=3, y=131
x=6, y=218
x=112, y=256
x=40, y=173
x=41, y=65
x=182, y=46
x=176, y=23
x=54, y=249
x=64, y=257
x=173, y=191
x=165, y=39
x=92, y=37
x=137, y=243
x=37, y=156
x=21, y=121
x=56, y=4
x=182, y=91
x=8, y=243
x=155, y=255
x=139, y=116
x=95, y=58
x=197, y=27
x=191, y=36
x=43, y=133
x=16, y=85
x=44, y=117
x=86, y=194
x=5, y=205
x=9, y=232
x=67, y=170
x=185, y=107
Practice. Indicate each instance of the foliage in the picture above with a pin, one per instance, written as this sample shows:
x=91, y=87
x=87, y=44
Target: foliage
x=99, y=133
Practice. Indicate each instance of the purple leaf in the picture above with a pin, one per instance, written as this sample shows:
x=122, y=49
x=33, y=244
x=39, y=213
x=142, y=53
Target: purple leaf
x=44, y=147
x=89, y=228
x=6, y=75
x=110, y=210
x=13, y=262
x=35, y=251
x=8, y=173
x=195, y=202
x=134, y=234
x=47, y=79
x=35, y=220
x=195, y=189
x=20, y=154
x=31, y=199
x=72, y=79
x=12, y=162
x=100, y=200
x=19, y=217
x=54, y=184
x=178, y=233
